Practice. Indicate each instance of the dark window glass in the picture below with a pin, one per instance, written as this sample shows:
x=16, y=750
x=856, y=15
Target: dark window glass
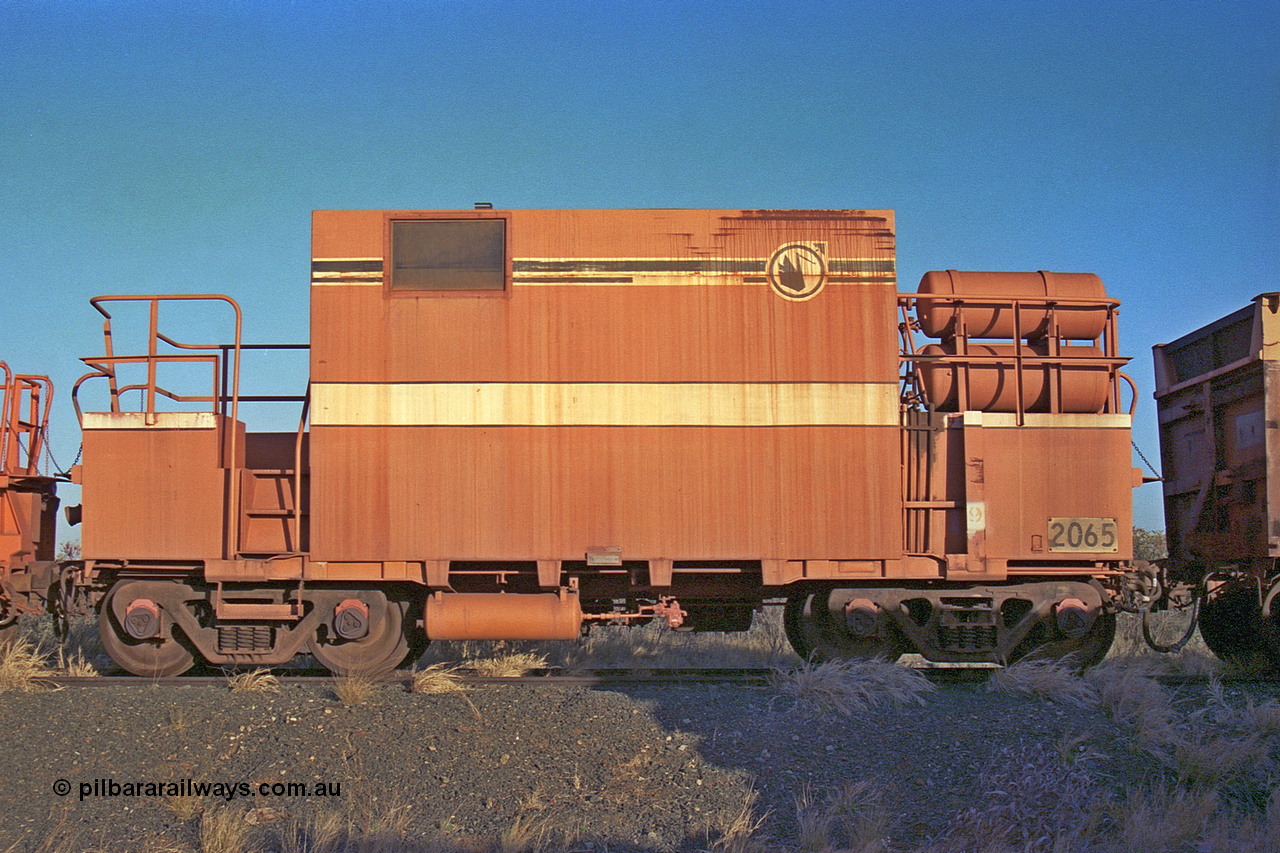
x=448, y=254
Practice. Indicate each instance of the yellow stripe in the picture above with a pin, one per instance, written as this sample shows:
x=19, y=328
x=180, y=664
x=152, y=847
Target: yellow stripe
x=605, y=404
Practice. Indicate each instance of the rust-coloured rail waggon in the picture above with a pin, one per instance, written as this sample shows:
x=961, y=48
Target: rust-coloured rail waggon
x=28, y=499
x=523, y=423
x=1218, y=398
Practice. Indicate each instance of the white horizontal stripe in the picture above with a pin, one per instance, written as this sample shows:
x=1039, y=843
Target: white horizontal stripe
x=605, y=404
x=138, y=420
x=1002, y=420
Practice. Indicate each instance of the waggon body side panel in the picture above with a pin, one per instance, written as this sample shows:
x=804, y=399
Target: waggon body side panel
x=639, y=383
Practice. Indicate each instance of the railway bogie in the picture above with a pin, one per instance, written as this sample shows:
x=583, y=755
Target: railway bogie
x=990, y=624
x=1218, y=401
x=521, y=424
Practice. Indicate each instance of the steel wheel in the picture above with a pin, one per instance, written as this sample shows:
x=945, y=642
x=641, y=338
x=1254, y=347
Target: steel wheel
x=1232, y=626
x=1084, y=652
x=8, y=633
x=415, y=637
x=158, y=658
x=817, y=635
x=378, y=653
x=798, y=626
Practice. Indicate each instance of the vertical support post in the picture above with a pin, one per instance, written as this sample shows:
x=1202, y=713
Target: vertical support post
x=975, y=503
x=151, y=361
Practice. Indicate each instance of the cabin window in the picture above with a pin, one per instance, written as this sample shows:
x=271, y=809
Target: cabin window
x=448, y=254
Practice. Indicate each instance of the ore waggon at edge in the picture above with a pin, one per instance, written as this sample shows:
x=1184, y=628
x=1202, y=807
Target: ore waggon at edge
x=523, y=423
x=1218, y=401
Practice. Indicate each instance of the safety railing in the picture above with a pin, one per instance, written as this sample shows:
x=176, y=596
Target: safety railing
x=24, y=422
x=223, y=360
x=214, y=355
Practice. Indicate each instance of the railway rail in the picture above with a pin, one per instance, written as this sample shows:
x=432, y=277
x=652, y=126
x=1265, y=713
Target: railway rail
x=544, y=677
x=749, y=677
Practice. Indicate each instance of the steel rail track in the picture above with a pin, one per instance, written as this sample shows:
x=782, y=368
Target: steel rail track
x=590, y=678
x=405, y=677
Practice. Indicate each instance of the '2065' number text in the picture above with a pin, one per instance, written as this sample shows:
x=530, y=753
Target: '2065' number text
x=1090, y=535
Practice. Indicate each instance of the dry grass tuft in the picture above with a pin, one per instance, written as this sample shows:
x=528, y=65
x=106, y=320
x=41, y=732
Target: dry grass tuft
x=1130, y=694
x=656, y=645
x=81, y=652
x=737, y=830
x=1209, y=760
x=645, y=646
x=1058, y=681
x=1163, y=819
x=259, y=681
x=851, y=686
x=1263, y=719
x=21, y=665
x=437, y=678
x=224, y=831
x=75, y=664
x=184, y=808
x=377, y=824
x=1216, y=762
x=1245, y=833
x=1034, y=801
x=352, y=689
x=511, y=665
x=322, y=832
x=57, y=839
x=525, y=834
x=850, y=818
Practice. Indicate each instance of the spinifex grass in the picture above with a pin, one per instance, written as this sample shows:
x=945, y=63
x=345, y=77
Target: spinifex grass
x=849, y=686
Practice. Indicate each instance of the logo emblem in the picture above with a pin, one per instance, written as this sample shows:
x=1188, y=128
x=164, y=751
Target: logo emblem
x=797, y=271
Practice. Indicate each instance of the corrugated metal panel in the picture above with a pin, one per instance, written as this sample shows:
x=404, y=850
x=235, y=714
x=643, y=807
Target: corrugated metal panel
x=511, y=493
x=684, y=384
x=152, y=494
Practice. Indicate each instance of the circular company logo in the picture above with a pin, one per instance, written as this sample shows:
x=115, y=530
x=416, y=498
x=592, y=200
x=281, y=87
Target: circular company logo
x=797, y=271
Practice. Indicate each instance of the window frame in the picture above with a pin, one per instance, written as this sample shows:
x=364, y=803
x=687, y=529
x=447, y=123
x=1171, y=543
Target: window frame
x=388, y=271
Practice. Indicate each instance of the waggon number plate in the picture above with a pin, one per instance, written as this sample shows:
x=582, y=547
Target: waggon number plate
x=1091, y=535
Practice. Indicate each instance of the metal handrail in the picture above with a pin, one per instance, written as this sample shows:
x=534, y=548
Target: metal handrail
x=19, y=389
x=4, y=423
x=154, y=335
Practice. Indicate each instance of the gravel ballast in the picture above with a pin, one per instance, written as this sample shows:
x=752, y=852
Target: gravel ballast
x=630, y=768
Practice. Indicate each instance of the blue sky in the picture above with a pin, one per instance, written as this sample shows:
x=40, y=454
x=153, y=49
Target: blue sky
x=180, y=146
